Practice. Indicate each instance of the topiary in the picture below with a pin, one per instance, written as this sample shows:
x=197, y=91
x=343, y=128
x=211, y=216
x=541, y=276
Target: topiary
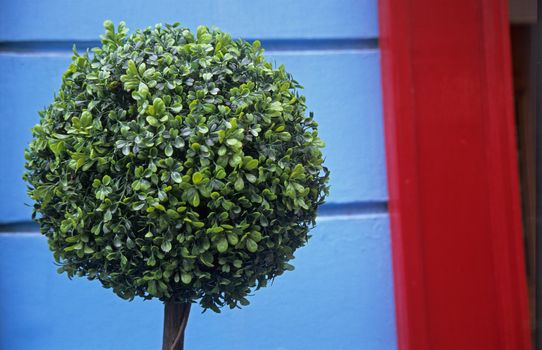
x=176, y=167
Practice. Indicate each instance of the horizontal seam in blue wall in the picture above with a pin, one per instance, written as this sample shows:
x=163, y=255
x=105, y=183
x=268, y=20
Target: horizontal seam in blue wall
x=327, y=211
x=270, y=45
x=353, y=208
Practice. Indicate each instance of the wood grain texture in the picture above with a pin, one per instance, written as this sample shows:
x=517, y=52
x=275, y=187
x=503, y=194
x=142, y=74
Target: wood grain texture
x=175, y=321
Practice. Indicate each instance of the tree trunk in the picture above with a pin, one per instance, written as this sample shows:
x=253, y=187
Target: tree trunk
x=175, y=320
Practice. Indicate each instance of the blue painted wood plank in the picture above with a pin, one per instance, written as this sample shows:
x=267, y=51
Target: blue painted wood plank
x=82, y=20
x=342, y=88
x=27, y=85
x=339, y=297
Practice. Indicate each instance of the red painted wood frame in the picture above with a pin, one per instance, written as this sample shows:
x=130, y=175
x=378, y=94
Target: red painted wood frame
x=453, y=179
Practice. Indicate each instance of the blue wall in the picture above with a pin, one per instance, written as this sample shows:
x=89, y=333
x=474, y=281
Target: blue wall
x=339, y=297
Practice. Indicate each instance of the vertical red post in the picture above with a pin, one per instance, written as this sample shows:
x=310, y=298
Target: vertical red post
x=453, y=178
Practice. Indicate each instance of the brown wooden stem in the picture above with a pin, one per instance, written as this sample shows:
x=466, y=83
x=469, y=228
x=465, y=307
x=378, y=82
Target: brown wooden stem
x=175, y=321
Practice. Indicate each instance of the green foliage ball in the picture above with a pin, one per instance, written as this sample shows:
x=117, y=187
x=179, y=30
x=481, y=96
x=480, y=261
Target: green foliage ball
x=176, y=166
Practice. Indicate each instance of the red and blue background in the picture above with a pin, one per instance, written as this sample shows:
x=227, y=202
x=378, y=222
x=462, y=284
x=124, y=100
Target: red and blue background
x=419, y=246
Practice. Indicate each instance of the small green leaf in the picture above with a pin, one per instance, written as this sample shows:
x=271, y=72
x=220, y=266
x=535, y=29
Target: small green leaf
x=256, y=236
x=207, y=76
x=179, y=142
x=251, y=178
x=159, y=106
x=289, y=267
x=207, y=259
x=233, y=142
x=152, y=121
x=252, y=164
x=77, y=246
x=123, y=260
x=72, y=239
x=220, y=174
x=176, y=177
x=172, y=214
x=239, y=184
x=168, y=150
x=166, y=246
x=106, y=180
x=195, y=200
x=186, y=277
x=251, y=245
x=232, y=238
x=222, y=245
x=159, y=207
x=197, y=177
